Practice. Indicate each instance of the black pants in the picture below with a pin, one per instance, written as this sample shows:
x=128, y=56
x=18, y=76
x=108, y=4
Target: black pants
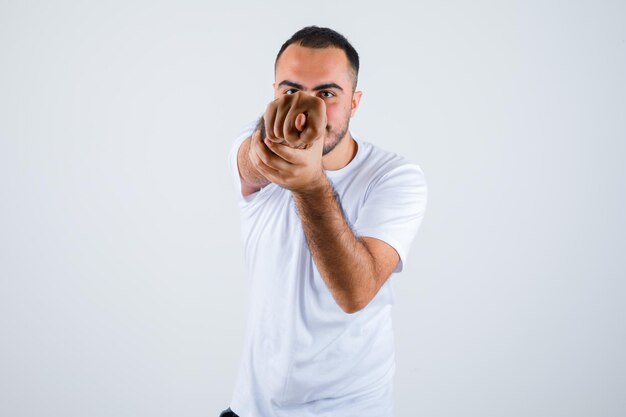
x=228, y=413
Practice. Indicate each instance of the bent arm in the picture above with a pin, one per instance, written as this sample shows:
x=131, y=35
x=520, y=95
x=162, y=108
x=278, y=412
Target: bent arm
x=344, y=260
x=251, y=179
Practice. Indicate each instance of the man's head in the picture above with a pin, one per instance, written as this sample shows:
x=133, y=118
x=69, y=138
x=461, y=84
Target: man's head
x=321, y=62
x=319, y=38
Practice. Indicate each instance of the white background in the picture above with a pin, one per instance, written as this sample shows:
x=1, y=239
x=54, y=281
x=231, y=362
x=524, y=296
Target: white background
x=121, y=270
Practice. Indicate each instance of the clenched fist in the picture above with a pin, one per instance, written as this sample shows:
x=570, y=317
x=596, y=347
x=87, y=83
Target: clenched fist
x=289, y=152
x=296, y=120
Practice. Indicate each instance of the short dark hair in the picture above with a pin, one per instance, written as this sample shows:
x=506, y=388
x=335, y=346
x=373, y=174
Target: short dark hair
x=320, y=37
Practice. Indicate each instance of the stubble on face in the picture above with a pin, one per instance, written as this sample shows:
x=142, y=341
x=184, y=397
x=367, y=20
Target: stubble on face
x=336, y=136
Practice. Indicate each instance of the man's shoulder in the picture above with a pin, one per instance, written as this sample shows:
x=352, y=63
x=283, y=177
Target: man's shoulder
x=246, y=129
x=382, y=162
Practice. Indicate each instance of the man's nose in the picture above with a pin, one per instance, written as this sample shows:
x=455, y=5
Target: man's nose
x=310, y=93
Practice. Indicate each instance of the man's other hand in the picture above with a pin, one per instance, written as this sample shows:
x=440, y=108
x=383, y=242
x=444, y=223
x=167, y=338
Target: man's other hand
x=297, y=170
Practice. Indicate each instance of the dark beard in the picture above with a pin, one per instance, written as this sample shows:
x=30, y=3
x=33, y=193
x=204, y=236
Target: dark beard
x=336, y=139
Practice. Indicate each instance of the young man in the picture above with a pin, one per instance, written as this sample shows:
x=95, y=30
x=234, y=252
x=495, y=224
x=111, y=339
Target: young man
x=327, y=218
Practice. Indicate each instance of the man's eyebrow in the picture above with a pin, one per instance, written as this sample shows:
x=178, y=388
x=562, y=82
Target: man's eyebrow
x=319, y=87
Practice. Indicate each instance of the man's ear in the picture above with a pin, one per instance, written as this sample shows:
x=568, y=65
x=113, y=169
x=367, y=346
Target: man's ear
x=356, y=99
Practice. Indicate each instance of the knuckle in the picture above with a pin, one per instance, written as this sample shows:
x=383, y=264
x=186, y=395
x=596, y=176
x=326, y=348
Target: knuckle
x=284, y=105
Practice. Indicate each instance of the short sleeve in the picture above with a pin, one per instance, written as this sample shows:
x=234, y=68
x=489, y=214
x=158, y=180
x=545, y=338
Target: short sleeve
x=244, y=134
x=394, y=209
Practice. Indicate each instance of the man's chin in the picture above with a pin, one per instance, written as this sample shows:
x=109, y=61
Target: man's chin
x=329, y=147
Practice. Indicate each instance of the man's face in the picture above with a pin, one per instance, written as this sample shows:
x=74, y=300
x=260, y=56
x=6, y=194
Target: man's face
x=325, y=73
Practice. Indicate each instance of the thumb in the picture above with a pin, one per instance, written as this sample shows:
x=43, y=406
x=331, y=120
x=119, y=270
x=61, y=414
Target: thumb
x=300, y=121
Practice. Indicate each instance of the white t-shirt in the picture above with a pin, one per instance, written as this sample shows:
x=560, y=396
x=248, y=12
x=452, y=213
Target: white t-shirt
x=303, y=355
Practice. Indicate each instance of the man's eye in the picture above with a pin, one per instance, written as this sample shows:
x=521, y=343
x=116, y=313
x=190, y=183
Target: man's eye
x=291, y=89
x=329, y=94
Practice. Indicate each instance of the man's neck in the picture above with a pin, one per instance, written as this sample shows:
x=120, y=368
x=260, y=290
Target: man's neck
x=342, y=155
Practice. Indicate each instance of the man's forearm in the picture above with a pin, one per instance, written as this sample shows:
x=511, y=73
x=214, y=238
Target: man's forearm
x=342, y=259
x=250, y=176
